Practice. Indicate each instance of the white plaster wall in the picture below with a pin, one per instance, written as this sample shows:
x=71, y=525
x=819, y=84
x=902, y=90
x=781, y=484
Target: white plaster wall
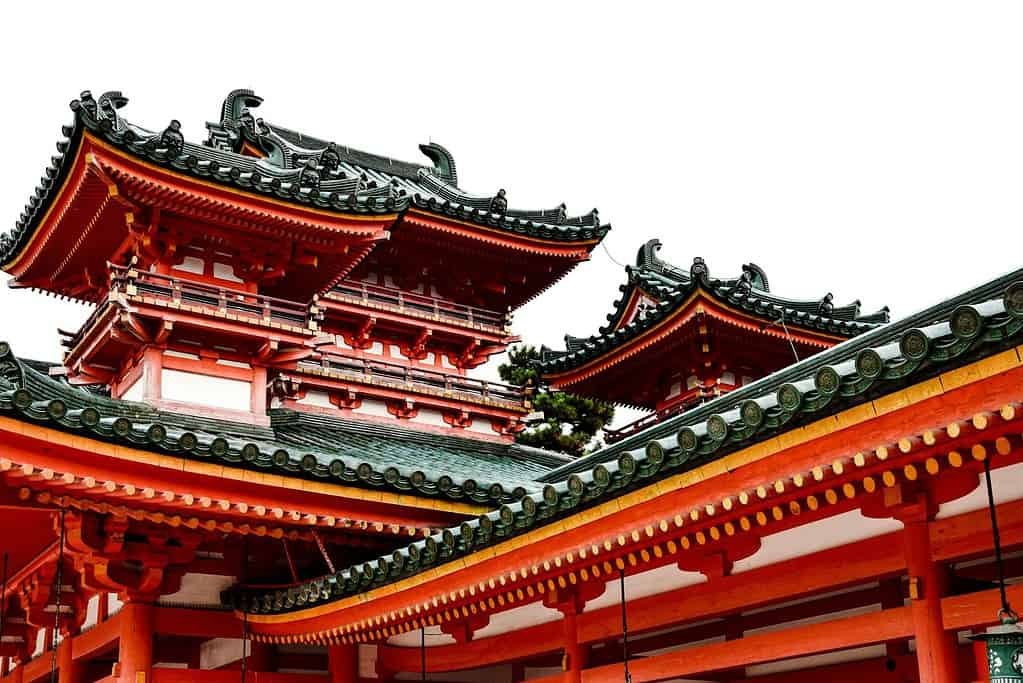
x=832, y=532
x=1006, y=484
x=191, y=264
x=218, y=392
x=372, y=407
x=218, y=652
x=517, y=618
x=199, y=589
x=316, y=398
x=91, y=612
x=480, y=425
x=430, y=416
x=136, y=391
x=225, y=271
x=666, y=578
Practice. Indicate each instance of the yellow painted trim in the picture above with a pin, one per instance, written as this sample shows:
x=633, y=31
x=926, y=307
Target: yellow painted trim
x=210, y=469
x=983, y=369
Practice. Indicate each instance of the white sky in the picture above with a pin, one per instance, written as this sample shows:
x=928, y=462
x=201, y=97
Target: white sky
x=872, y=149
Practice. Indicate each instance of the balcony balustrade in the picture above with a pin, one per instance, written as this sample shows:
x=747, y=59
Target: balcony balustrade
x=407, y=378
x=419, y=306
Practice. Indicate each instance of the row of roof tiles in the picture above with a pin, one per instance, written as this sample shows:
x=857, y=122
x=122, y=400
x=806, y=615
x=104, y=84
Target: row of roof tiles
x=671, y=287
x=976, y=324
x=297, y=168
x=299, y=445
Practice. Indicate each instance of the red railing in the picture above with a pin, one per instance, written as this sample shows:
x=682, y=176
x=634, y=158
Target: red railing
x=180, y=291
x=419, y=305
x=428, y=381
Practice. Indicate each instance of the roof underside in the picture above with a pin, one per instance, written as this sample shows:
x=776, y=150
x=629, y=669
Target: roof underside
x=296, y=444
x=974, y=325
x=666, y=289
x=249, y=154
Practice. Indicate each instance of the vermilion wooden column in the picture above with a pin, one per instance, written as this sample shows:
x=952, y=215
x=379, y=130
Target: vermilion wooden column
x=343, y=663
x=69, y=669
x=135, y=652
x=936, y=651
x=575, y=654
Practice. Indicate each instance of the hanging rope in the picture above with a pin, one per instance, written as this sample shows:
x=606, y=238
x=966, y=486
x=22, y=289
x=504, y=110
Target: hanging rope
x=323, y=552
x=422, y=652
x=1006, y=613
x=60, y=591
x=613, y=259
x=291, y=561
x=625, y=628
x=788, y=336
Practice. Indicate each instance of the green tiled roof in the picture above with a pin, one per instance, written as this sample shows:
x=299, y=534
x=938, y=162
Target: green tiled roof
x=296, y=444
x=971, y=326
x=671, y=287
x=298, y=168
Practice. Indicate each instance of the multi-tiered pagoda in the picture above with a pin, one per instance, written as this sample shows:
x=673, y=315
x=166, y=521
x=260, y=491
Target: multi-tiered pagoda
x=263, y=458
x=679, y=337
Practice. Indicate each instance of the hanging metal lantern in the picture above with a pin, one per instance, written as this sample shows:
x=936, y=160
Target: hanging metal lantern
x=1004, y=651
x=1004, y=642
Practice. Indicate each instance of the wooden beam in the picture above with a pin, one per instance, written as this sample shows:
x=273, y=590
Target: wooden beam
x=835, y=634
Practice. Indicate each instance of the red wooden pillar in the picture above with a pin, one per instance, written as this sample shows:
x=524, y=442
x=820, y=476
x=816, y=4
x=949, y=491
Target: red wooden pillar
x=936, y=651
x=135, y=652
x=70, y=670
x=575, y=654
x=343, y=663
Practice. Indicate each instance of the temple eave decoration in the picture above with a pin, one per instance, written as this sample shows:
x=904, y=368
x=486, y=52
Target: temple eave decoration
x=266, y=455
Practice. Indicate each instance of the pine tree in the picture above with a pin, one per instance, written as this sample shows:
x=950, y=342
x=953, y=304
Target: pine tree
x=569, y=422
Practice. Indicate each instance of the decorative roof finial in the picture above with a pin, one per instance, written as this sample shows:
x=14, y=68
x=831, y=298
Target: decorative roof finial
x=310, y=175
x=172, y=139
x=443, y=161
x=826, y=307
x=699, y=270
x=499, y=204
x=86, y=102
x=109, y=103
x=330, y=159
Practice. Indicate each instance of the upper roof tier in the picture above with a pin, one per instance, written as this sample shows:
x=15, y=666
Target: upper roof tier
x=109, y=170
x=657, y=291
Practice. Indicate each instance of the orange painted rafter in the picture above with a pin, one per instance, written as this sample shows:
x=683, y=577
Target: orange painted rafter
x=172, y=184
x=65, y=489
x=576, y=251
x=101, y=461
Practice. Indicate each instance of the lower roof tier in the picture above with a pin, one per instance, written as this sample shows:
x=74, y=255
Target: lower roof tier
x=295, y=443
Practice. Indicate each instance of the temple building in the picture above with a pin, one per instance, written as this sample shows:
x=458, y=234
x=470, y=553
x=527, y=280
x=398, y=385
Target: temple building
x=263, y=457
x=717, y=334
